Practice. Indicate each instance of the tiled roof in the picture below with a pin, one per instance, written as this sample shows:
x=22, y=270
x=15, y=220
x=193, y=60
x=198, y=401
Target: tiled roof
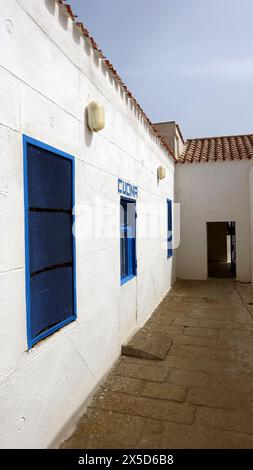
x=213, y=149
x=84, y=32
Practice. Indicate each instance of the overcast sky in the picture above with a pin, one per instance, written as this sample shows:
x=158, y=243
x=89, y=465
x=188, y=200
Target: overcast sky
x=185, y=60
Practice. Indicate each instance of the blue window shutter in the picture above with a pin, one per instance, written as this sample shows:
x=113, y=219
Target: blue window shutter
x=50, y=265
x=51, y=299
x=49, y=179
x=50, y=235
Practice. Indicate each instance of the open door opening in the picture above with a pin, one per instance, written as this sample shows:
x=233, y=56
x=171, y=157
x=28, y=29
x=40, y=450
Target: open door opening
x=221, y=249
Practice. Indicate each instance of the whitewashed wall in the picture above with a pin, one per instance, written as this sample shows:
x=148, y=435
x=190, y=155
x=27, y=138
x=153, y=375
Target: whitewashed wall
x=48, y=75
x=212, y=192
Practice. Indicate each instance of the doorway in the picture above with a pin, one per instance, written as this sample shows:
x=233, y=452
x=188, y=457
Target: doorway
x=221, y=249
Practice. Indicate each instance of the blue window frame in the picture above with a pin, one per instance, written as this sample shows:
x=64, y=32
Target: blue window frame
x=49, y=242
x=127, y=239
x=169, y=228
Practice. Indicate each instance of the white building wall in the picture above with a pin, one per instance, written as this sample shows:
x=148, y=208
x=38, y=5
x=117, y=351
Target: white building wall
x=212, y=192
x=48, y=75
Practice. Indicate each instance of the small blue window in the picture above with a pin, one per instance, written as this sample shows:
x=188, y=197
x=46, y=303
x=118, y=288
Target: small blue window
x=169, y=228
x=127, y=239
x=50, y=246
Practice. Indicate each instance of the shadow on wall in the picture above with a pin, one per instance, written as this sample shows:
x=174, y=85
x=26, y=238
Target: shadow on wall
x=50, y=5
x=174, y=268
x=88, y=135
x=63, y=19
x=76, y=34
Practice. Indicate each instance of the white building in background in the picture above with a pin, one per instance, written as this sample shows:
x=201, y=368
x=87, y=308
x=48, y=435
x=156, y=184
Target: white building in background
x=213, y=187
x=86, y=217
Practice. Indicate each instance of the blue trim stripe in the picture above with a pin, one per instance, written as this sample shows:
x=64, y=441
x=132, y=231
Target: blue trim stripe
x=74, y=237
x=32, y=341
x=27, y=255
x=169, y=228
x=125, y=279
x=130, y=242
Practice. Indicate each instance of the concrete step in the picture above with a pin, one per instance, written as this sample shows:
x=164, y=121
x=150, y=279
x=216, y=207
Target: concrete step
x=147, y=344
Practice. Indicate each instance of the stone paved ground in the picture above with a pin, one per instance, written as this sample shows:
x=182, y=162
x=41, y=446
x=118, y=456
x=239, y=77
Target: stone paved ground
x=200, y=395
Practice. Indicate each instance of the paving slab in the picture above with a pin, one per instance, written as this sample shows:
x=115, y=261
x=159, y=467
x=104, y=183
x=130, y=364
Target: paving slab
x=164, y=391
x=202, y=352
x=142, y=371
x=105, y=429
x=191, y=384
x=221, y=396
x=206, y=332
x=118, y=383
x=144, y=406
x=163, y=435
x=216, y=344
x=236, y=421
x=164, y=327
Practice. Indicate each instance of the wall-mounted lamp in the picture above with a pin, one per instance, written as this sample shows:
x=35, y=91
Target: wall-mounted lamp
x=95, y=116
x=161, y=172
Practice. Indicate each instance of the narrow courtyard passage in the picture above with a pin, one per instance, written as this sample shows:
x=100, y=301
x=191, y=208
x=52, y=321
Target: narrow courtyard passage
x=200, y=395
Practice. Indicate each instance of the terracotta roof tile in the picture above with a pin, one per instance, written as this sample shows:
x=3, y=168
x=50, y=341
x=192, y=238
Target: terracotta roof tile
x=234, y=147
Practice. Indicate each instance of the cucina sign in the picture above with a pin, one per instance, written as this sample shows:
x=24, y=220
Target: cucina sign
x=127, y=189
